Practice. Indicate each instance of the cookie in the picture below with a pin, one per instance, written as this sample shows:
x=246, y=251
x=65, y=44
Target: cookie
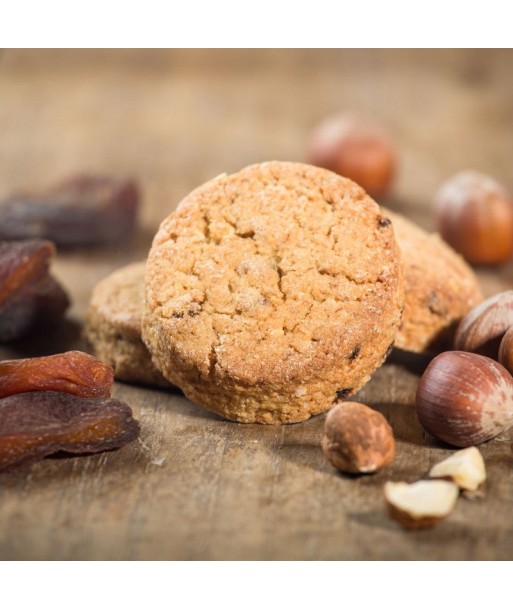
x=440, y=288
x=272, y=291
x=113, y=326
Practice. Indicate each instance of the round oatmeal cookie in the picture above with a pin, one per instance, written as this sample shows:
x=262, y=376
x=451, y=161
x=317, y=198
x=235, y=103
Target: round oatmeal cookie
x=272, y=291
x=440, y=288
x=113, y=326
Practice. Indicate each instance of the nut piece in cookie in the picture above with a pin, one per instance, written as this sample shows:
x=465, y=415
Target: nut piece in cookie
x=113, y=326
x=440, y=288
x=357, y=439
x=270, y=290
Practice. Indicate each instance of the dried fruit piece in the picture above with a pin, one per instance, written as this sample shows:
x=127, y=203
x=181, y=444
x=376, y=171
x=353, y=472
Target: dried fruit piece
x=22, y=263
x=421, y=504
x=466, y=468
x=34, y=425
x=83, y=210
x=357, y=439
x=72, y=372
x=28, y=295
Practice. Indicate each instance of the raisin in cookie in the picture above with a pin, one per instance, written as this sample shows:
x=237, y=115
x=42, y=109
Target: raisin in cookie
x=440, y=288
x=113, y=326
x=272, y=291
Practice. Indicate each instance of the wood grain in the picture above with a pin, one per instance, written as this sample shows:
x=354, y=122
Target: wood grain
x=196, y=487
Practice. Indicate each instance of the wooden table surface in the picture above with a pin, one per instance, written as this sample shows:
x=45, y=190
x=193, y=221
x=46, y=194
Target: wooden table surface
x=196, y=486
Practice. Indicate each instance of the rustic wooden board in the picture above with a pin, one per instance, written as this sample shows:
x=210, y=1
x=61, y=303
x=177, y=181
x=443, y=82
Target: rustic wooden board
x=195, y=486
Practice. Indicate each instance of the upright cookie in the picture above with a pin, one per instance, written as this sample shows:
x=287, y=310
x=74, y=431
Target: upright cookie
x=272, y=291
x=113, y=326
x=440, y=288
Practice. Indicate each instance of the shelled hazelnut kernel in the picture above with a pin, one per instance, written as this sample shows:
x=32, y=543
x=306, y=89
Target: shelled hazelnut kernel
x=357, y=439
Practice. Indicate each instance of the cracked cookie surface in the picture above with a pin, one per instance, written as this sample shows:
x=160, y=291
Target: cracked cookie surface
x=271, y=291
x=113, y=326
x=440, y=288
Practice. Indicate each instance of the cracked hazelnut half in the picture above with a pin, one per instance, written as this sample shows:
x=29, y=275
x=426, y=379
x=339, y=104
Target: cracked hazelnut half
x=465, y=467
x=357, y=439
x=421, y=504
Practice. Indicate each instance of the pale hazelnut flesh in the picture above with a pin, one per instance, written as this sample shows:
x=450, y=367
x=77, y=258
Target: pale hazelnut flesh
x=465, y=399
x=421, y=504
x=355, y=149
x=482, y=328
x=474, y=214
x=357, y=439
x=465, y=468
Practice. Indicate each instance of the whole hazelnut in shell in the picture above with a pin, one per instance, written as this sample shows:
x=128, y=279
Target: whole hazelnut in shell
x=474, y=214
x=465, y=399
x=482, y=328
x=356, y=149
x=506, y=350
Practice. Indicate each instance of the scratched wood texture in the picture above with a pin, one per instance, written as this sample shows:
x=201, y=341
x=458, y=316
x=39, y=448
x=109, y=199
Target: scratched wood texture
x=195, y=486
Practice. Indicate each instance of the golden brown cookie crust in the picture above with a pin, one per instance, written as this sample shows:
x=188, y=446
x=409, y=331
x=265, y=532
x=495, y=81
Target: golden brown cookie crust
x=113, y=326
x=271, y=291
x=440, y=288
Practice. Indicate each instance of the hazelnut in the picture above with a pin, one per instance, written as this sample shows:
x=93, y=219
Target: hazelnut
x=465, y=468
x=474, y=214
x=355, y=149
x=464, y=398
x=357, y=439
x=483, y=327
x=421, y=504
x=506, y=351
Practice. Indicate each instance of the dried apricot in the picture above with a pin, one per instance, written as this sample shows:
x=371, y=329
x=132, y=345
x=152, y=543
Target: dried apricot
x=29, y=296
x=83, y=210
x=34, y=425
x=72, y=372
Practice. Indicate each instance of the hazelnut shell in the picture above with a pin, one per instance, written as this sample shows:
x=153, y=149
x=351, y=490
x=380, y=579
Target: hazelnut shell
x=356, y=149
x=474, y=214
x=465, y=399
x=483, y=327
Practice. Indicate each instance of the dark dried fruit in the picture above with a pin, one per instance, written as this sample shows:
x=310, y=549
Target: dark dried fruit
x=29, y=297
x=34, y=425
x=72, y=372
x=83, y=210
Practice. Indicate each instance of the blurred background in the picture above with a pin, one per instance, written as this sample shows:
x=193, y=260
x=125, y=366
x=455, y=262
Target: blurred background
x=175, y=118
